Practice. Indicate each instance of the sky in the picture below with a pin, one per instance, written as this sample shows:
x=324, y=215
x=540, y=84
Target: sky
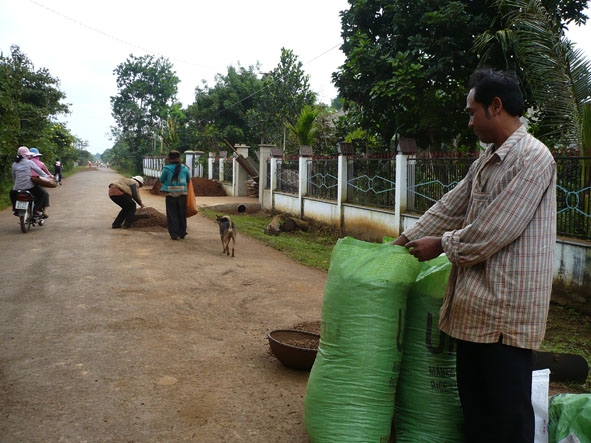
x=82, y=42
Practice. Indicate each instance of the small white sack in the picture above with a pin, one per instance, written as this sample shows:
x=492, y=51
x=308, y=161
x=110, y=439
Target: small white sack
x=539, y=400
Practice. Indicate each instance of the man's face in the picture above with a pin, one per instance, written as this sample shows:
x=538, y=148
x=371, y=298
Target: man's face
x=480, y=119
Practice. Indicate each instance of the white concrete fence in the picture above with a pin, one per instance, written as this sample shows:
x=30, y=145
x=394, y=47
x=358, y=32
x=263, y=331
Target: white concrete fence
x=572, y=269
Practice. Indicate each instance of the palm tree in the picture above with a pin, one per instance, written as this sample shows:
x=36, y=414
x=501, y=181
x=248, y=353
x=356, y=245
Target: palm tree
x=556, y=76
x=305, y=128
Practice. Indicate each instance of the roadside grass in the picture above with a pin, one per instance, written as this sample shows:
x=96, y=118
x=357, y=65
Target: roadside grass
x=567, y=331
x=308, y=248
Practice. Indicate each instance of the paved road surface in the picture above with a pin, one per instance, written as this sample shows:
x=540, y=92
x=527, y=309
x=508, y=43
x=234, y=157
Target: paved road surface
x=127, y=336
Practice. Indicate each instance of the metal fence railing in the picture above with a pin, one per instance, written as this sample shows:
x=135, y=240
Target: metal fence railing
x=573, y=197
x=371, y=182
x=288, y=176
x=323, y=178
x=215, y=169
x=430, y=177
x=228, y=170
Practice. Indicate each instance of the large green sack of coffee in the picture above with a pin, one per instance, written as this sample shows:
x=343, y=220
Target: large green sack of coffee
x=351, y=388
x=427, y=401
x=569, y=418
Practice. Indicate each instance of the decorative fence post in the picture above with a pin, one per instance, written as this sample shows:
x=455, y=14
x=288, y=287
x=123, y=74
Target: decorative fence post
x=344, y=150
x=239, y=174
x=222, y=160
x=264, y=169
x=407, y=146
x=401, y=189
x=210, y=162
x=305, y=153
x=276, y=154
x=192, y=160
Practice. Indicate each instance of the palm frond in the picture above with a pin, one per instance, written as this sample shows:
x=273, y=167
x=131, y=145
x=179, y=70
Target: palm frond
x=305, y=128
x=556, y=76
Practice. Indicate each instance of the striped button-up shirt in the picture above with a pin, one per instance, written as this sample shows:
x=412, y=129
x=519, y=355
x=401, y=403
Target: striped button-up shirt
x=498, y=229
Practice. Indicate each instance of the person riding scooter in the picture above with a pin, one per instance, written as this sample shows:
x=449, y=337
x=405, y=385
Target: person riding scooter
x=35, y=157
x=22, y=169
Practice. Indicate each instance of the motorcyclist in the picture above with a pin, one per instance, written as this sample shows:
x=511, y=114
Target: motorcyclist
x=35, y=157
x=22, y=169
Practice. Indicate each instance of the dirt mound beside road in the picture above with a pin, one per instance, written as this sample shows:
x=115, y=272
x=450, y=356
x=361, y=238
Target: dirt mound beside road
x=203, y=187
x=149, y=219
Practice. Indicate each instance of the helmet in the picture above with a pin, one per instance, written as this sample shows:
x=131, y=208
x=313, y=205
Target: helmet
x=35, y=152
x=139, y=179
x=23, y=151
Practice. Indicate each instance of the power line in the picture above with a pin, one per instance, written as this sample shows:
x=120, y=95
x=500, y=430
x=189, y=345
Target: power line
x=119, y=40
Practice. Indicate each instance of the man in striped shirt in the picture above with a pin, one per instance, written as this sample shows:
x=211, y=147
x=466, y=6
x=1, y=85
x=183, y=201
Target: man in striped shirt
x=498, y=229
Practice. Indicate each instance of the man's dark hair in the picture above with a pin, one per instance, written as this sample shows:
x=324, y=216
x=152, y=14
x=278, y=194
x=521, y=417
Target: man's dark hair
x=488, y=84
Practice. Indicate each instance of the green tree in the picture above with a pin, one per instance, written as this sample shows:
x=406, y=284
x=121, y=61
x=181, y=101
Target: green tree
x=147, y=90
x=327, y=137
x=62, y=145
x=337, y=103
x=286, y=90
x=305, y=128
x=30, y=101
x=406, y=66
x=315, y=127
x=220, y=112
x=407, y=63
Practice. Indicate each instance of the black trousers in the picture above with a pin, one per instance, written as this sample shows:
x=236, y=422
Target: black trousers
x=176, y=216
x=127, y=213
x=494, y=383
x=42, y=191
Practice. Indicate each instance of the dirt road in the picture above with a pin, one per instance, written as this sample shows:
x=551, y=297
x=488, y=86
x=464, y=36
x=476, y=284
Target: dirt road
x=127, y=336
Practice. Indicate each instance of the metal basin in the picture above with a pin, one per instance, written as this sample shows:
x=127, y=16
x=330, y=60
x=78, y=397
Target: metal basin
x=294, y=349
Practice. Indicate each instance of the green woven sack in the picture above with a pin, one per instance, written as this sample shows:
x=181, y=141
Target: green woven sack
x=351, y=388
x=427, y=401
x=569, y=415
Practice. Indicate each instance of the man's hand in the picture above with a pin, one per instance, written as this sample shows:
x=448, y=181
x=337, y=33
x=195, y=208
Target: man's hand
x=425, y=248
x=400, y=241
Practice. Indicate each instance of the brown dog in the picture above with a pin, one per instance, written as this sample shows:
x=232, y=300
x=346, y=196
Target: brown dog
x=227, y=233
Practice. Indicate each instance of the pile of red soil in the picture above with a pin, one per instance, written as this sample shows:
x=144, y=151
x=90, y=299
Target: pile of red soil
x=203, y=187
x=149, y=219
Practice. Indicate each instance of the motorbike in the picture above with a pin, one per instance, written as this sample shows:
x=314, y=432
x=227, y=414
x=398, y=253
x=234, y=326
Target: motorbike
x=24, y=209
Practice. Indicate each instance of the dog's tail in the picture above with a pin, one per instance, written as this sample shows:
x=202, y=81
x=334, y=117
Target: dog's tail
x=230, y=224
